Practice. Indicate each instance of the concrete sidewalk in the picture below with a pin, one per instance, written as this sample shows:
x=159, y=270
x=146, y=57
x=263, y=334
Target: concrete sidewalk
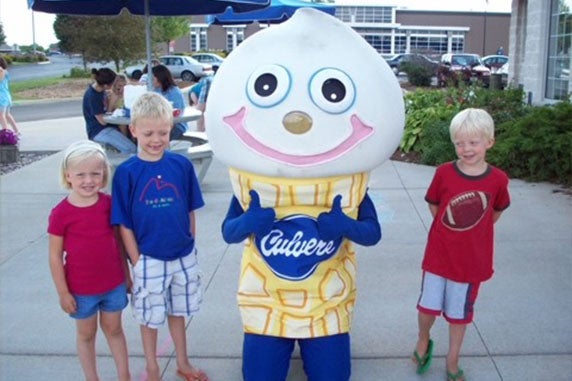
x=523, y=320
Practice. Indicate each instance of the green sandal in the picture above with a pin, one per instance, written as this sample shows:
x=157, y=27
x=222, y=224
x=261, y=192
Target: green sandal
x=423, y=363
x=455, y=376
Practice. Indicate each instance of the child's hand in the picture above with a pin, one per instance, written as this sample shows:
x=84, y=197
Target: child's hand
x=68, y=303
x=129, y=283
x=333, y=224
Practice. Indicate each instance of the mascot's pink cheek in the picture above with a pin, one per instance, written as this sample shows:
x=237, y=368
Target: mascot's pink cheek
x=360, y=132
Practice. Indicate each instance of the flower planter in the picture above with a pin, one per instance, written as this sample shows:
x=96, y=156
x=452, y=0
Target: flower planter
x=9, y=154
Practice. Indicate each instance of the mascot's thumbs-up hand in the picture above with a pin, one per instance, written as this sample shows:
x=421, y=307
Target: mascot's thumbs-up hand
x=335, y=224
x=239, y=224
x=259, y=219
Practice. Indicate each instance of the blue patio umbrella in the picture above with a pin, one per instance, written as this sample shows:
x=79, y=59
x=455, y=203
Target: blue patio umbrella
x=277, y=12
x=145, y=8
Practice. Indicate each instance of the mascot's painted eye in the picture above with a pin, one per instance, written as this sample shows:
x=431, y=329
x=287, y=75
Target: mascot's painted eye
x=268, y=85
x=332, y=90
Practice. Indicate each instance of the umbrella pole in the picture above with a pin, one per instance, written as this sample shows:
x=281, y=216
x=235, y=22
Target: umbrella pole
x=148, y=45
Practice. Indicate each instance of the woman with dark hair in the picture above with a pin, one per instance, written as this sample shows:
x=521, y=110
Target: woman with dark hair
x=94, y=108
x=164, y=84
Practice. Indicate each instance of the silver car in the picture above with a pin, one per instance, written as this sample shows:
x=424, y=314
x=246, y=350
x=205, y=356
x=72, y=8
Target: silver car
x=208, y=58
x=186, y=68
x=181, y=67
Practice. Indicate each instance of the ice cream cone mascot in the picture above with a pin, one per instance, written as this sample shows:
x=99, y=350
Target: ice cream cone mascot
x=301, y=112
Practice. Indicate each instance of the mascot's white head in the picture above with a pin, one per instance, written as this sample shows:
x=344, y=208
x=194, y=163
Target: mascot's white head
x=304, y=99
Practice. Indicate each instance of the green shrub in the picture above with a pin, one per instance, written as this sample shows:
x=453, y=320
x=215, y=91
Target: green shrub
x=537, y=147
x=436, y=146
x=423, y=108
x=417, y=73
x=79, y=72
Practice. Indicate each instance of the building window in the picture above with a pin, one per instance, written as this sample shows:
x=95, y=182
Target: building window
x=198, y=39
x=234, y=37
x=559, y=49
x=365, y=15
x=434, y=42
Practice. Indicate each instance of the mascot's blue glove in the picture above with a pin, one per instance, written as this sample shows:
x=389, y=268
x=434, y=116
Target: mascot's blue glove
x=239, y=224
x=365, y=231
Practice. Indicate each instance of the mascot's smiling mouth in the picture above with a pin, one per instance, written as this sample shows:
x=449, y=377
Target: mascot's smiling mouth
x=360, y=132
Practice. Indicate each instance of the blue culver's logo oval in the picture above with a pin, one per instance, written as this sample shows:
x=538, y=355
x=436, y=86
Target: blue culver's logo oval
x=293, y=248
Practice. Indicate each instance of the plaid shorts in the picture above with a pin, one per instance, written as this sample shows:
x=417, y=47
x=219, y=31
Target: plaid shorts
x=162, y=288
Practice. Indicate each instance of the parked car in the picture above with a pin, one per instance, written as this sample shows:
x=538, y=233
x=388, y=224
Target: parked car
x=182, y=67
x=462, y=67
x=396, y=61
x=495, y=62
x=208, y=58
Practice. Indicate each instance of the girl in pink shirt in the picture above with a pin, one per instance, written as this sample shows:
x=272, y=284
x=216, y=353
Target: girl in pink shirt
x=87, y=266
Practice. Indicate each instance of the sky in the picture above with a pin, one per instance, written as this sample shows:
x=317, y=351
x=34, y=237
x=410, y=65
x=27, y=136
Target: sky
x=18, y=26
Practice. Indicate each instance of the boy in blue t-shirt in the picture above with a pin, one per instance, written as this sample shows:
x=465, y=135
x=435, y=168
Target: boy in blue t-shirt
x=154, y=196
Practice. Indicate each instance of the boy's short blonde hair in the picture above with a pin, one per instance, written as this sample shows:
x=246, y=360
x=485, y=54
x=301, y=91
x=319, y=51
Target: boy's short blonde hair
x=473, y=121
x=151, y=106
x=79, y=151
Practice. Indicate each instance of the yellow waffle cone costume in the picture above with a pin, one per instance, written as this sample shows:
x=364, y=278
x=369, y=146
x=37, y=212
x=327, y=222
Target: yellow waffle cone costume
x=301, y=112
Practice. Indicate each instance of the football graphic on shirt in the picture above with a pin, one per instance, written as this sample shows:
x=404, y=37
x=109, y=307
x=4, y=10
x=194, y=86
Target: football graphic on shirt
x=465, y=210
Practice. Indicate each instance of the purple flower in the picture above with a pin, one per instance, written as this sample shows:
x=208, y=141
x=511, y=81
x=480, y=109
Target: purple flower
x=8, y=137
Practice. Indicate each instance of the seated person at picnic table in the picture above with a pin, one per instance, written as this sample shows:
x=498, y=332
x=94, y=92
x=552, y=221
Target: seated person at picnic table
x=145, y=74
x=205, y=85
x=164, y=84
x=94, y=108
x=115, y=99
x=194, y=93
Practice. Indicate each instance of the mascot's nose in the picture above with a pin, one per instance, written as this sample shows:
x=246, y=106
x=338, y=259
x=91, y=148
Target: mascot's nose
x=297, y=122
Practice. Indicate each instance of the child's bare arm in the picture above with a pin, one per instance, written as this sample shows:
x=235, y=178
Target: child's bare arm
x=496, y=215
x=123, y=257
x=56, y=248
x=129, y=243
x=193, y=227
x=434, y=209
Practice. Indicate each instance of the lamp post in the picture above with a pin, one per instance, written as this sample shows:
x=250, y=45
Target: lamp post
x=485, y=28
x=33, y=34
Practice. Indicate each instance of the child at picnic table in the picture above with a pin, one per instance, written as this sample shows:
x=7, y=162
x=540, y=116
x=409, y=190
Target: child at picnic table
x=155, y=194
x=116, y=100
x=466, y=197
x=94, y=109
x=87, y=266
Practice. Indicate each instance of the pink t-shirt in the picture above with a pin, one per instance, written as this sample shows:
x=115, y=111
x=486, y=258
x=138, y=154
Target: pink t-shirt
x=460, y=243
x=92, y=257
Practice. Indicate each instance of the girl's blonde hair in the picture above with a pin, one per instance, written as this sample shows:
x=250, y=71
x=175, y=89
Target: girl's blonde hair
x=151, y=106
x=79, y=151
x=473, y=121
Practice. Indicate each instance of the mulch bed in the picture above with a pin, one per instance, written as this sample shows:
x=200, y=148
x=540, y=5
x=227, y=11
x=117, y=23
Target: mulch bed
x=26, y=157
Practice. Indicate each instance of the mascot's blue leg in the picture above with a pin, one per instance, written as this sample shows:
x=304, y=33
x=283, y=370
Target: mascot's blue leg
x=266, y=358
x=327, y=358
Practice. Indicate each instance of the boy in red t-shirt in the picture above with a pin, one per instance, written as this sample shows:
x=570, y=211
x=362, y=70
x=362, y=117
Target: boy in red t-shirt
x=466, y=197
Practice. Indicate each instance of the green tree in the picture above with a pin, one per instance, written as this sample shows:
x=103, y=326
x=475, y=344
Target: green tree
x=116, y=39
x=2, y=35
x=167, y=29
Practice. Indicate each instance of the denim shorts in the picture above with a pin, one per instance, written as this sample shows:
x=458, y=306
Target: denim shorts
x=112, y=301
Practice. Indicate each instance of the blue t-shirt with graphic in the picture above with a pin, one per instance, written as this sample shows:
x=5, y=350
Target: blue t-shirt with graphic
x=154, y=199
